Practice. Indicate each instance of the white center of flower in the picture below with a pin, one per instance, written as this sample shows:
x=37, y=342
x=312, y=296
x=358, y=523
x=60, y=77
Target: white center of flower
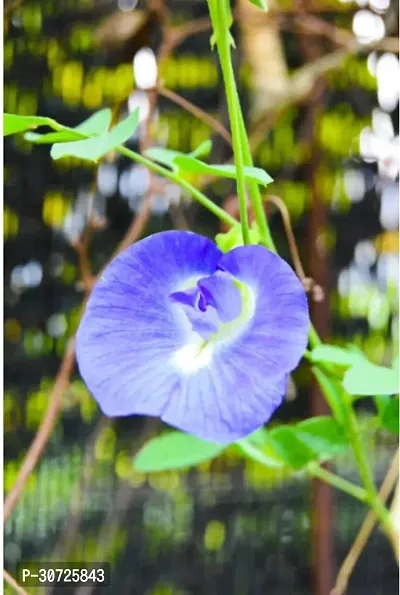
x=194, y=356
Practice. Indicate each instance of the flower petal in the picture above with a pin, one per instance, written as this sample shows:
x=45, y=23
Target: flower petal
x=221, y=293
x=277, y=334
x=131, y=328
x=223, y=403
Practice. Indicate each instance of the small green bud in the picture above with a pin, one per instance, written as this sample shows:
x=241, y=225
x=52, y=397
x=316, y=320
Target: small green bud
x=233, y=238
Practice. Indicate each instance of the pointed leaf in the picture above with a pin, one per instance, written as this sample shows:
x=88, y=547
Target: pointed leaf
x=12, y=124
x=366, y=379
x=335, y=355
x=175, y=450
x=192, y=165
x=96, y=124
x=290, y=448
x=323, y=435
x=259, y=437
x=262, y=452
x=260, y=4
x=164, y=156
x=167, y=156
x=94, y=148
x=203, y=150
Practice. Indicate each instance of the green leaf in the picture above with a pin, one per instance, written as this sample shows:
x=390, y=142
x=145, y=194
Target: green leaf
x=52, y=137
x=164, y=156
x=203, y=150
x=12, y=124
x=332, y=394
x=315, y=439
x=260, y=4
x=175, y=450
x=323, y=435
x=167, y=156
x=190, y=164
x=294, y=452
x=366, y=379
x=234, y=237
x=335, y=355
x=94, y=148
x=96, y=124
x=260, y=450
x=388, y=412
x=259, y=437
x=381, y=402
x=390, y=417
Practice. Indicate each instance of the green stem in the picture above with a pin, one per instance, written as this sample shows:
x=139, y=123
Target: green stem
x=314, y=337
x=365, y=468
x=254, y=190
x=338, y=482
x=331, y=393
x=220, y=18
x=166, y=173
x=313, y=469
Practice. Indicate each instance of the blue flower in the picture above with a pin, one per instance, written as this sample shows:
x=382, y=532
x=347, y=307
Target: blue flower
x=176, y=329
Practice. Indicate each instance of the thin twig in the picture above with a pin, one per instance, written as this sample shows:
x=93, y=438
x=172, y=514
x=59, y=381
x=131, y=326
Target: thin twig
x=197, y=112
x=137, y=226
x=180, y=33
x=314, y=25
x=39, y=442
x=13, y=583
x=365, y=531
x=308, y=283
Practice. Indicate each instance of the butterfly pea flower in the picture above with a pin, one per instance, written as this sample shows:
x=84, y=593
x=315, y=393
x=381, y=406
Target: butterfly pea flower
x=203, y=339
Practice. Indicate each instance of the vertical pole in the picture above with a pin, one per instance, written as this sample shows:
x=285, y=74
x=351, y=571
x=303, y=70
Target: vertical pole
x=322, y=496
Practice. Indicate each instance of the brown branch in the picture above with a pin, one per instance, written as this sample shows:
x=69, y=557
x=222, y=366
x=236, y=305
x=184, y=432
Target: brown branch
x=13, y=583
x=180, y=33
x=197, y=112
x=310, y=24
x=62, y=380
x=39, y=442
x=365, y=531
x=308, y=283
